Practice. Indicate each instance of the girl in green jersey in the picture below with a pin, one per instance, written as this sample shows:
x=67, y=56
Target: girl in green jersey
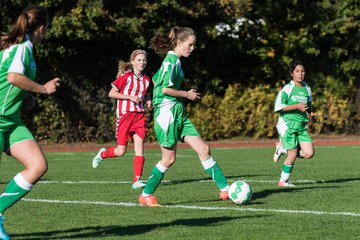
x=17, y=75
x=171, y=122
x=294, y=105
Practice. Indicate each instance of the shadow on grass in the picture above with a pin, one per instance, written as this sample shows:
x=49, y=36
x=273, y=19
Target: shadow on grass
x=208, y=179
x=119, y=231
x=260, y=195
x=344, y=180
x=268, y=192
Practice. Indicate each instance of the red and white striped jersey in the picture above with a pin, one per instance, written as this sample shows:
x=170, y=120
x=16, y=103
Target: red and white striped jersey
x=130, y=84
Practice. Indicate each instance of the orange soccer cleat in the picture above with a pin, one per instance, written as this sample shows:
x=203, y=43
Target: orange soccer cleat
x=224, y=195
x=285, y=184
x=149, y=201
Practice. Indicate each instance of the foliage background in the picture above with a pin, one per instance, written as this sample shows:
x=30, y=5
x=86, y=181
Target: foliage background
x=244, y=48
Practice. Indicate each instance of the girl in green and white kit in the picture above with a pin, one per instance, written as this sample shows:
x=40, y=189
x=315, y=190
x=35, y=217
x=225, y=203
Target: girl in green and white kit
x=293, y=103
x=17, y=76
x=171, y=123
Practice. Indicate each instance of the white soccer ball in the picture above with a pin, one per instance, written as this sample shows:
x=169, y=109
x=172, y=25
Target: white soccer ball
x=240, y=192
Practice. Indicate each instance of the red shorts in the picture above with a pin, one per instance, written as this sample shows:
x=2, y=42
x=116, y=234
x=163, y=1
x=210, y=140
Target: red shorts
x=129, y=124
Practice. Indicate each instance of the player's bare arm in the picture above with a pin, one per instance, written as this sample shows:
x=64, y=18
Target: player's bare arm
x=23, y=82
x=191, y=94
x=300, y=106
x=116, y=95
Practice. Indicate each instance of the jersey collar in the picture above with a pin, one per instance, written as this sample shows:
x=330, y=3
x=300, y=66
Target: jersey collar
x=138, y=76
x=172, y=52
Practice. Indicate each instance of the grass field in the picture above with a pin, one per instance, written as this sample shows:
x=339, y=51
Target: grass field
x=74, y=201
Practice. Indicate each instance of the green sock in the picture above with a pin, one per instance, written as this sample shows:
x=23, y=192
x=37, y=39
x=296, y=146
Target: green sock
x=287, y=168
x=214, y=171
x=154, y=180
x=12, y=193
x=286, y=172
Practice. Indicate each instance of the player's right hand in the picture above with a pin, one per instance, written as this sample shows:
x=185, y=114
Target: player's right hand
x=135, y=99
x=193, y=95
x=52, y=85
x=302, y=107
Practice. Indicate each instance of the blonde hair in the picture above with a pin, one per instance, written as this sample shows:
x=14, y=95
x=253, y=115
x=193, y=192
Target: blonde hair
x=126, y=66
x=27, y=22
x=161, y=43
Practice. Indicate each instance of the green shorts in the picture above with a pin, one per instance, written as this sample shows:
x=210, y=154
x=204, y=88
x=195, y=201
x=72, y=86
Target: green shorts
x=12, y=130
x=172, y=125
x=292, y=133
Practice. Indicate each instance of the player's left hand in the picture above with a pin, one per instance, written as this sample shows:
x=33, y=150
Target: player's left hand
x=313, y=118
x=148, y=103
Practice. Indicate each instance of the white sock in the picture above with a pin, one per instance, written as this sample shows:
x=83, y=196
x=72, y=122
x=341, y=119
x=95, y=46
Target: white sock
x=145, y=194
x=208, y=163
x=284, y=176
x=22, y=182
x=225, y=189
x=161, y=168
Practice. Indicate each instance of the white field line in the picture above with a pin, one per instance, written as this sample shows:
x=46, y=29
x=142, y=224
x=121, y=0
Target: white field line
x=179, y=181
x=245, y=209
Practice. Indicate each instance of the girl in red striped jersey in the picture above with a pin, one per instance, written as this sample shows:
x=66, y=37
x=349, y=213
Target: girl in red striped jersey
x=130, y=89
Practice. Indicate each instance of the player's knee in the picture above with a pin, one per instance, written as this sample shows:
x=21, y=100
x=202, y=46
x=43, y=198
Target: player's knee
x=171, y=162
x=119, y=151
x=308, y=154
x=292, y=154
x=43, y=168
x=39, y=169
x=290, y=157
x=205, y=151
x=168, y=162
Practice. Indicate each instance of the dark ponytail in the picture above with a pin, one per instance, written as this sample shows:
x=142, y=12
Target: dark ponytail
x=162, y=43
x=28, y=21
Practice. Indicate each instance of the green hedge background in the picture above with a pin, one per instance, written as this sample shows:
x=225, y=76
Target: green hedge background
x=244, y=48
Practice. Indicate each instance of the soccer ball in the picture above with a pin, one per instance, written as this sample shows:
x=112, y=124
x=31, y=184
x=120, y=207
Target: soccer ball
x=240, y=192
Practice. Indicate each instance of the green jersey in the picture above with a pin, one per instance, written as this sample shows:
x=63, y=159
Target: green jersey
x=18, y=58
x=171, y=122
x=291, y=94
x=169, y=75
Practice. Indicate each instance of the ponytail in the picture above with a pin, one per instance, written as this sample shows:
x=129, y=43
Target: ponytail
x=161, y=43
x=123, y=67
x=27, y=22
x=126, y=66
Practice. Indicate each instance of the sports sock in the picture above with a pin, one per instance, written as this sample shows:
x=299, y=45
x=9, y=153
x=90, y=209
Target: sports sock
x=155, y=178
x=138, y=167
x=14, y=191
x=108, y=153
x=225, y=189
x=214, y=171
x=286, y=172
